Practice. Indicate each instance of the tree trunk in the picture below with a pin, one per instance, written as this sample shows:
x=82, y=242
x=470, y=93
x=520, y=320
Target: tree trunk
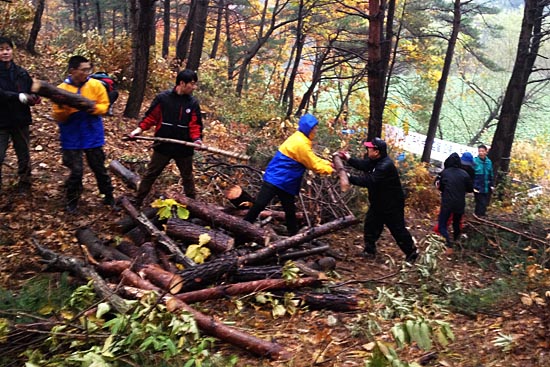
x=166, y=24
x=182, y=47
x=244, y=288
x=342, y=174
x=215, y=45
x=36, y=25
x=189, y=232
x=96, y=247
x=61, y=96
x=146, y=16
x=128, y=176
x=238, y=197
x=288, y=96
x=528, y=47
x=161, y=278
x=159, y=236
x=199, y=31
x=442, y=85
x=243, y=229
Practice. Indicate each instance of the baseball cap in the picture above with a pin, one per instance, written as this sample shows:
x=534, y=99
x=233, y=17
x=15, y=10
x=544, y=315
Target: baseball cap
x=376, y=143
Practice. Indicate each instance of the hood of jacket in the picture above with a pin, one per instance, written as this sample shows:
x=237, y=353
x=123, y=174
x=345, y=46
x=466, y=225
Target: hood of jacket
x=452, y=161
x=307, y=123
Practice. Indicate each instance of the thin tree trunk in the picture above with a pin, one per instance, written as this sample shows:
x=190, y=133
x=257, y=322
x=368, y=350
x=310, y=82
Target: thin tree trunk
x=528, y=48
x=199, y=31
x=442, y=85
x=36, y=25
x=166, y=34
x=217, y=35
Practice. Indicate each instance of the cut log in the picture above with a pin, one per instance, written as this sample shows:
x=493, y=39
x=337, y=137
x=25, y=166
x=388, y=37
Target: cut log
x=241, y=228
x=128, y=277
x=129, y=249
x=274, y=248
x=252, y=273
x=159, y=236
x=219, y=330
x=210, y=272
x=148, y=254
x=113, y=267
x=138, y=236
x=61, y=96
x=128, y=223
x=341, y=171
x=328, y=301
x=304, y=253
x=129, y=177
x=275, y=214
x=244, y=288
x=187, y=231
x=164, y=279
x=238, y=197
x=96, y=247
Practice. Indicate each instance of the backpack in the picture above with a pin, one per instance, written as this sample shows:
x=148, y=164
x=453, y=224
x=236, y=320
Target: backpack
x=105, y=79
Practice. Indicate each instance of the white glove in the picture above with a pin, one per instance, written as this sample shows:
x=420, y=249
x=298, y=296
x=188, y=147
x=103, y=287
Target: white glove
x=23, y=98
x=137, y=131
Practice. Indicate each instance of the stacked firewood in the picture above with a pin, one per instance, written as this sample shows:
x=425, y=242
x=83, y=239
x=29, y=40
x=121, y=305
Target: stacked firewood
x=245, y=258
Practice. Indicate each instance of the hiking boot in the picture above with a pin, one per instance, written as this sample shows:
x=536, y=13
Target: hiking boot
x=109, y=200
x=411, y=258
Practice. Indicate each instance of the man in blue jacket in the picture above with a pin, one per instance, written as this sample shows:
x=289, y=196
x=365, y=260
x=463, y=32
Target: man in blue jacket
x=15, y=119
x=283, y=175
x=483, y=181
x=82, y=133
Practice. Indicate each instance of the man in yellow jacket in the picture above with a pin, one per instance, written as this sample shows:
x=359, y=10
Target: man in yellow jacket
x=283, y=175
x=81, y=132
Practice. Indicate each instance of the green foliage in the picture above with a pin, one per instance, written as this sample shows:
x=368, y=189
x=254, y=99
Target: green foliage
x=39, y=295
x=385, y=356
x=169, y=208
x=487, y=299
x=278, y=308
x=147, y=335
x=421, y=332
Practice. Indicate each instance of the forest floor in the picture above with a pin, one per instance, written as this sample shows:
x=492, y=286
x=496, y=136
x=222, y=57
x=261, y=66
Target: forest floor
x=314, y=338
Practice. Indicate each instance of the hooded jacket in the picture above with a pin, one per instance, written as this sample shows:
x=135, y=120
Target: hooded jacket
x=80, y=129
x=381, y=178
x=454, y=183
x=294, y=156
x=14, y=80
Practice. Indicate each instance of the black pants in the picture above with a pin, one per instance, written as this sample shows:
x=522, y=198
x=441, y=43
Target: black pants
x=482, y=201
x=395, y=221
x=156, y=166
x=20, y=137
x=266, y=194
x=73, y=160
x=444, y=215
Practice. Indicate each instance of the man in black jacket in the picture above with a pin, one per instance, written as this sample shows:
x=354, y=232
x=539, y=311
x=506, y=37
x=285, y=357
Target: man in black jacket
x=453, y=182
x=15, y=119
x=387, y=201
x=175, y=114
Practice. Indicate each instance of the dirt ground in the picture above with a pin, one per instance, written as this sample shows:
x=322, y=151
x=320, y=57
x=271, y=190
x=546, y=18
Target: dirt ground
x=314, y=338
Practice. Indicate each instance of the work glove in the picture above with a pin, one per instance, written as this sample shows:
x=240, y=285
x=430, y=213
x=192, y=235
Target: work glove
x=135, y=133
x=344, y=155
x=24, y=98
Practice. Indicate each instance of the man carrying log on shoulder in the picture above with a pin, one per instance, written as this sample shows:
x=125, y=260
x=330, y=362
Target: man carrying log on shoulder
x=81, y=132
x=175, y=114
x=283, y=175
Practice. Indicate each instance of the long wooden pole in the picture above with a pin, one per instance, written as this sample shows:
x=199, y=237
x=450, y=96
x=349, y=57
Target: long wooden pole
x=193, y=145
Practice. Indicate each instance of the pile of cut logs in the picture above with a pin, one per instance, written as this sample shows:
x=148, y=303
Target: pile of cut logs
x=245, y=258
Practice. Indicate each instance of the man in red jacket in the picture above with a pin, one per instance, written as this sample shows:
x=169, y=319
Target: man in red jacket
x=175, y=114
